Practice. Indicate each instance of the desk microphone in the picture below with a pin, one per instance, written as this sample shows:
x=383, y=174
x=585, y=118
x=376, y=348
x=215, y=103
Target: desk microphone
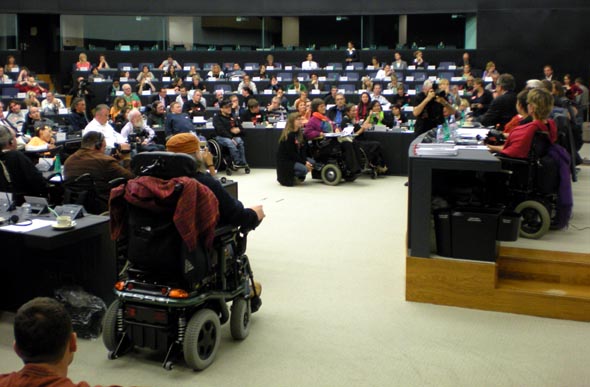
x=11, y=203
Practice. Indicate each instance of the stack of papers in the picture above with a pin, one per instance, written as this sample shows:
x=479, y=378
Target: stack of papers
x=435, y=150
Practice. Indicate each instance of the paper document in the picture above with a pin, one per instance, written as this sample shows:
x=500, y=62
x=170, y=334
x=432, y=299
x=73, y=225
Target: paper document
x=36, y=224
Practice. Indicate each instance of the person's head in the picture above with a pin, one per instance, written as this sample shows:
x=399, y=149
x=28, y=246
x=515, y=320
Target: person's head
x=34, y=113
x=225, y=107
x=236, y=66
x=350, y=44
x=333, y=90
x=548, y=71
x=94, y=140
x=275, y=103
x=443, y=84
x=10, y=60
x=313, y=76
x=340, y=100
x=396, y=110
x=95, y=71
x=126, y=89
x=216, y=69
x=547, y=85
x=197, y=94
x=427, y=86
x=14, y=106
x=505, y=83
x=235, y=101
x=162, y=93
x=170, y=60
x=280, y=92
x=82, y=57
x=318, y=105
x=219, y=95
x=521, y=103
x=375, y=106
x=43, y=332
x=101, y=58
x=375, y=62
x=309, y=57
x=186, y=143
x=183, y=91
x=145, y=69
x=31, y=79
x=253, y=106
x=418, y=54
x=43, y=131
x=7, y=138
x=134, y=116
x=303, y=95
x=351, y=110
x=270, y=59
x=400, y=89
x=262, y=69
x=79, y=105
x=467, y=68
x=246, y=92
x=294, y=123
x=567, y=79
x=246, y=79
x=175, y=107
x=171, y=70
x=540, y=103
x=101, y=114
x=397, y=56
x=478, y=84
x=490, y=67
x=387, y=68
x=301, y=107
x=557, y=89
x=377, y=89
x=159, y=108
x=579, y=81
x=365, y=98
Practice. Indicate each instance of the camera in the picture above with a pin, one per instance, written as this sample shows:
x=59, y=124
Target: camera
x=437, y=91
x=494, y=137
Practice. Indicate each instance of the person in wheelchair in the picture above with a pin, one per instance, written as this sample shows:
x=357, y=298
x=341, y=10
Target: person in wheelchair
x=231, y=211
x=91, y=159
x=138, y=134
x=229, y=133
x=518, y=143
x=316, y=129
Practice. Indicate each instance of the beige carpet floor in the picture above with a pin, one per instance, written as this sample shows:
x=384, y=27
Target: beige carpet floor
x=332, y=264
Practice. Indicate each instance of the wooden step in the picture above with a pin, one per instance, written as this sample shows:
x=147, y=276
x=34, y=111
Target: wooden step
x=549, y=289
x=544, y=266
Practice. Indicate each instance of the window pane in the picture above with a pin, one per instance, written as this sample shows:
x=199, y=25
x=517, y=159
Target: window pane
x=8, y=32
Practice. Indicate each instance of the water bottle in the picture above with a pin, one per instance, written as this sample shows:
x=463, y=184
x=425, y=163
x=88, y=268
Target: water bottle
x=57, y=164
x=25, y=213
x=440, y=136
x=446, y=131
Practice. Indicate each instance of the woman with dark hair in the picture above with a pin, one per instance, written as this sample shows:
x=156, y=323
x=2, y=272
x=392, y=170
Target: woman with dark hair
x=351, y=53
x=292, y=163
x=262, y=74
x=377, y=116
x=175, y=80
x=364, y=106
x=572, y=91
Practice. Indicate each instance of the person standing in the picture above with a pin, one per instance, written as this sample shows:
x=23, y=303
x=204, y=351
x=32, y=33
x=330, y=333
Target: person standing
x=428, y=109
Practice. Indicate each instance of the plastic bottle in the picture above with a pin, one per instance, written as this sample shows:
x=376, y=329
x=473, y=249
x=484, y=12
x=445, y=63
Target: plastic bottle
x=440, y=135
x=25, y=211
x=57, y=163
x=446, y=131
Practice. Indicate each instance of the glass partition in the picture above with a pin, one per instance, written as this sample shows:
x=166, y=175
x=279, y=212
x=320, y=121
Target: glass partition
x=8, y=32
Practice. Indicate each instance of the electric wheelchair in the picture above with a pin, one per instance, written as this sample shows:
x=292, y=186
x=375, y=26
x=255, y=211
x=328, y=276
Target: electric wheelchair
x=168, y=298
x=222, y=158
x=330, y=166
x=529, y=187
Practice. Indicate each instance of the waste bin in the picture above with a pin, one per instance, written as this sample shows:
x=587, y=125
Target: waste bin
x=474, y=233
x=508, y=227
x=442, y=230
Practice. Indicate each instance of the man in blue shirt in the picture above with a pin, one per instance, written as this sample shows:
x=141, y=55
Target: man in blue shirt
x=177, y=121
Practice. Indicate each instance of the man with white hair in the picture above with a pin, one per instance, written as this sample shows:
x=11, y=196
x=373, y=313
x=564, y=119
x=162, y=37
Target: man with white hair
x=100, y=123
x=131, y=98
x=136, y=131
x=429, y=109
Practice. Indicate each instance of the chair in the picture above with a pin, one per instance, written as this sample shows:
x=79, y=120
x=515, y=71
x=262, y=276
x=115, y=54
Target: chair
x=285, y=77
x=336, y=66
x=445, y=65
x=357, y=65
x=446, y=75
x=419, y=76
x=149, y=65
x=123, y=65
x=253, y=65
x=9, y=92
x=173, y=299
x=82, y=190
x=352, y=75
x=303, y=77
x=207, y=66
x=347, y=87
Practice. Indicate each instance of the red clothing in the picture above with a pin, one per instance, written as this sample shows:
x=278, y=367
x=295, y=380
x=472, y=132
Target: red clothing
x=196, y=211
x=33, y=375
x=519, y=142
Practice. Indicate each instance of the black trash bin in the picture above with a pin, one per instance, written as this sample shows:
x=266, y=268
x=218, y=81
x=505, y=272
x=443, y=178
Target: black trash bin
x=474, y=233
x=442, y=229
x=508, y=227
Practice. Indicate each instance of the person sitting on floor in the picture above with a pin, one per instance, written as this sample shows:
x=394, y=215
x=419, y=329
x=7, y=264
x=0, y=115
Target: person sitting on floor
x=292, y=163
x=46, y=343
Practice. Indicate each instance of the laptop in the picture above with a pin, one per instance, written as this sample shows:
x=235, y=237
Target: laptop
x=38, y=204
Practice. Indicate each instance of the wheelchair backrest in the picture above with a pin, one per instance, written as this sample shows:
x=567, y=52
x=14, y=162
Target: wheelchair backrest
x=164, y=165
x=82, y=190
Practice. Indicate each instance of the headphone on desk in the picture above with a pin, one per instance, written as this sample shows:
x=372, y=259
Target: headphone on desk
x=15, y=220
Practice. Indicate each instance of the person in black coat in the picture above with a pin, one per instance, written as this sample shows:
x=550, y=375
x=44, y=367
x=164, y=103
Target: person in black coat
x=292, y=164
x=18, y=173
x=352, y=54
x=503, y=107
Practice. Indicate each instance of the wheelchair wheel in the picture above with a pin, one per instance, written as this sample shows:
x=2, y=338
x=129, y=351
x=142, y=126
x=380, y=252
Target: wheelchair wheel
x=240, y=318
x=215, y=150
x=201, y=340
x=110, y=336
x=364, y=161
x=535, y=219
x=331, y=174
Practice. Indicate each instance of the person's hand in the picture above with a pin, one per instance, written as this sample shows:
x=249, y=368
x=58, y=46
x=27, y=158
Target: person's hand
x=337, y=130
x=430, y=95
x=125, y=147
x=259, y=212
x=207, y=156
x=441, y=100
x=235, y=130
x=309, y=166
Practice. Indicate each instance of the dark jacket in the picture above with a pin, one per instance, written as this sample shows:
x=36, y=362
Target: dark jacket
x=223, y=125
x=193, y=109
x=290, y=151
x=332, y=114
x=78, y=121
x=26, y=179
x=178, y=123
x=501, y=110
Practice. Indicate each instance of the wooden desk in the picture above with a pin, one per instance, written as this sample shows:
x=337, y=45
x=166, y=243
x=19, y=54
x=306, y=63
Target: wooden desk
x=40, y=261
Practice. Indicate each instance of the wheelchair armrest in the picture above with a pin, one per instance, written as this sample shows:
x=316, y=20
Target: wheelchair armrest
x=225, y=230
x=511, y=160
x=117, y=181
x=82, y=176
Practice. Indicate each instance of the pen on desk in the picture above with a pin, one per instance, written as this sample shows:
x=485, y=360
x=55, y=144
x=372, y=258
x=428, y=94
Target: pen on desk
x=53, y=212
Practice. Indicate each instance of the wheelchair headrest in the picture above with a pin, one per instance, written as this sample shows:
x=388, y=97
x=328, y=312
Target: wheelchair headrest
x=164, y=165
